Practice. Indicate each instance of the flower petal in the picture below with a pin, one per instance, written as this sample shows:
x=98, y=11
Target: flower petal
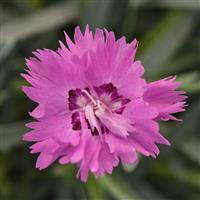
x=116, y=123
x=162, y=95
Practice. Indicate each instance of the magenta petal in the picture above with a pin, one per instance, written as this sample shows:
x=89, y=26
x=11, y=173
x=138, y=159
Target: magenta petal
x=117, y=124
x=44, y=160
x=38, y=112
x=145, y=136
x=163, y=96
x=117, y=144
x=48, y=146
x=107, y=161
x=139, y=109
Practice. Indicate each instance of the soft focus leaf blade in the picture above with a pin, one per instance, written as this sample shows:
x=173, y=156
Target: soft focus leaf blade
x=191, y=148
x=188, y=61
x=103, y=14
x=11, y=135
x=187, y=134
x=191, y=82
x=45, y=19
x=94, y=189
x=119, y=188
x=160, y=44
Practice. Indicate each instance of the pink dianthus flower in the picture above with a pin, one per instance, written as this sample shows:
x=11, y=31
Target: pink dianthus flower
x=94, y=108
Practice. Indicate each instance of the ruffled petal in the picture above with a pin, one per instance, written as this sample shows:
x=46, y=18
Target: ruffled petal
x=107, y=161
x=44, y=160
x=163, y=96
x=117, y=124
x=122, y=147
x=51, y=77
x=58, y=127
x=138, y=109
x=146, y=136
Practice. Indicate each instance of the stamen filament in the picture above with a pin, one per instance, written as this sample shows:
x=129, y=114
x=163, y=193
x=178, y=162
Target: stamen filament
x=99, y=105
x=91, y=98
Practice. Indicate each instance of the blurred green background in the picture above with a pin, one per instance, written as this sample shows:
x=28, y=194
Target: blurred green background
x=169, y=43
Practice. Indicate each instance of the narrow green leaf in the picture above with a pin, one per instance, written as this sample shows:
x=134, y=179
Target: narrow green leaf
x=11, y=135
x=148, y=192
x=104, y=14
x=129, y=22
x=183, y=62
x=118, y=188
x=159, y=45
x=187, y=5
x=94, y=189
x=170, y=4
x=187, y=133
x=193, y=178
x=45, y=19
x=4, y=94
x=191, y=148
x=191, y=82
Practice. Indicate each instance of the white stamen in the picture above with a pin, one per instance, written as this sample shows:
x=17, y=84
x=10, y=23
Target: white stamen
x=91, y=98
x=71, y=111
x=90, y=116
x=99, y=105
x=77, y=110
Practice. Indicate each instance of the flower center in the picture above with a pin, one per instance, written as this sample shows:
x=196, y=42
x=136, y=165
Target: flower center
x=94, y=102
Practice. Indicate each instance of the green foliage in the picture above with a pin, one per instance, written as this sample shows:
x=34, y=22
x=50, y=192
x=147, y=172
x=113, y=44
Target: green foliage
x=169, y=45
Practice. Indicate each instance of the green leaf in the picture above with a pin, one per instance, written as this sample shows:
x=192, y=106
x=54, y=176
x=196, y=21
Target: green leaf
x=104, y=14
x=118, y=188
x=129, y=22
x=193, y=178
x=191, y=148
x=169, y=4
x=187, y=5
x=43, y=20
x=94, y=189
x=160, y=44
x=11, y=135
x=183, y=62
x=191, y=82
x=4, y=94
x=187, y=133
x=148, y=192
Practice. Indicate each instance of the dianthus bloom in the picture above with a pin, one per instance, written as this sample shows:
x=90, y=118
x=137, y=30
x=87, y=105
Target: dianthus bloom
x=94, y=108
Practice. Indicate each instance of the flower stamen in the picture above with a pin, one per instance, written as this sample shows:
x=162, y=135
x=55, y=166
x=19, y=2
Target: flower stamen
x=91, y=98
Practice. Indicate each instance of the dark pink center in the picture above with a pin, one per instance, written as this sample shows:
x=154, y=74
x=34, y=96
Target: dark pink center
x=105, y=95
